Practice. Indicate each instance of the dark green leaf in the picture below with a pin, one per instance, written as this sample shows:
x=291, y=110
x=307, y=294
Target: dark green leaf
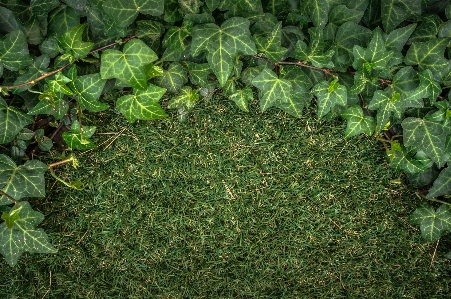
x=329, y=95
x=63, y=19
x=272, y=89
x=405, y=81
x=375, y=55
x=398, y=37
x=173, y=78
x=21, y=181
x=87, y=88
x=71, y=42
x=394, y=12
x=270, y=46
x=14, y=52
x=442, y=185
x=78, y=137
x=12, y=120
x=242, y=98
x=432, y=223
x=386, y=106
x=427, y=29
x=341, y=14
x=186, y=99
x=428, y=88
x=124, y=12
x=198, y=73
x=357, y=122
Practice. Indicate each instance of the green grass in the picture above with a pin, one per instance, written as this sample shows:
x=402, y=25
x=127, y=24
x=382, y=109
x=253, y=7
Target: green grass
x=231, y=205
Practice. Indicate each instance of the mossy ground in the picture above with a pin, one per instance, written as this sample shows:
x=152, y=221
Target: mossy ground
x=231, y=205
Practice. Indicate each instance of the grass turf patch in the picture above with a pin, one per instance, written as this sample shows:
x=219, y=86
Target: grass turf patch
x=231, y=205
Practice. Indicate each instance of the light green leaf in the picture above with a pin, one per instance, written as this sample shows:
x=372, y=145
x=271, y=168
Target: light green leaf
x=433, y=224
x=357, y=122
x=78, y=137
x=348, y=35
x=58, y=85
x=143, y=104
x=442, y=185
x=21, y=181
x=270, y=45
x=429, y=55
x=329, y=95
x=23, y=236
x=88, y=89
x=428, y=88
x=427, y=136
x=71, y=42
x=14, y=52
x=128, y=66
x=124, y=12
x=242, y=98
x=223, y=44
x=12, y=120
x=186, y=99
x=272, y=89
x=386, y=106
x=173, y=78
x=394, y=12
x=341, y=14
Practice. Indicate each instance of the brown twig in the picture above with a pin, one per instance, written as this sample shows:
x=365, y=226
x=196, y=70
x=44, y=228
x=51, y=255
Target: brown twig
x=9, y=197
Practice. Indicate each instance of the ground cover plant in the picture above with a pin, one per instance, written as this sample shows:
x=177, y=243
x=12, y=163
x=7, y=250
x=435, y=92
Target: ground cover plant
x=383, y=66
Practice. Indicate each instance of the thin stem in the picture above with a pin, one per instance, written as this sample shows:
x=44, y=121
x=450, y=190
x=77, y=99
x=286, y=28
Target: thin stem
x=43, y=76
x=9, y=197
x=432, y=199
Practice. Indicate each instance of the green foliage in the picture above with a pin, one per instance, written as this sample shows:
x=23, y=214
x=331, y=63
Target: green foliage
x=380, y=65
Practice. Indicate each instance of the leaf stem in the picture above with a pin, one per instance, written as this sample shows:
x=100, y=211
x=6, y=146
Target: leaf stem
x=9, y=197
x=43, y=76
x=433, y=199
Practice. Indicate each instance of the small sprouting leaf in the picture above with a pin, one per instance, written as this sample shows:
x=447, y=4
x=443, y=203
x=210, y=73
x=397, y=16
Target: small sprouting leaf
x=23, y=235
x=173, y=78
x=124, y=12
x=10, y=219
x=428, y=88
x=329, y=95
x=78, y=137
x=429, y=55
x=186, y=99
x=21, y=181
x=386, y=105
x=143, y=104
x=223, y=44
x=12, y=120
x=427, y=136
x=270, y=45
x=433, y=224
x=128, y=66
x=87, y=88
x=71, y=42
x=272, y=89
x=242, y=98
x=442, y=185
x=394, y=12
x=14, y=53
x=357, y=122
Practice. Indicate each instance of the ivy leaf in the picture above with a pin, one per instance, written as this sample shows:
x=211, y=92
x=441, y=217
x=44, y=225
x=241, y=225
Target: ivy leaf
x=428, y=55
x=315, y=53
x=442, y=185
x=78, y=137
x=394, y=12
x=398, y=37
x=190, y=6
x=62, y=19
x=427, y=136
x=386, y=106
x=23, y=235
x=242, y=97
x=272, y=89
x=318, y=11
x=223, y=44
x=58, y=109
x=405, y=160
x=173, y=78
x=143, y=104
x=270, y=45
x=428, y=88
x=427, y=30
x=405, y=81
x=296, y=102
x=14, y=53
x=88, y=89
x=36, y=69
x=329, y=95
x=357, y=122
x=341, y=14
x=71, y=42
x=58, y=85
x=124, y=12
x=12, y=121
x=348, y=35
x=433, y=224
x=186, y=99
x=175, y=36
x=128, y=66
x=198, y=73
x=375, y=55
x=21, y=181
